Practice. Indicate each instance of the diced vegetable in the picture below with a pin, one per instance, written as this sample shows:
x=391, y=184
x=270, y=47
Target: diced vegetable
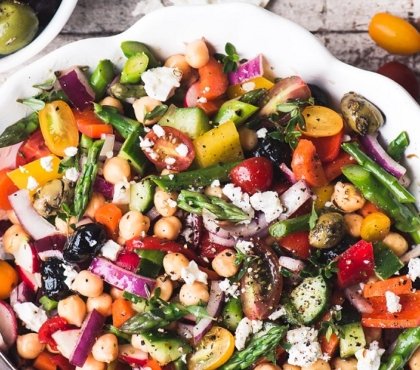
x=235, y=111
x=130, y=151
x=141, y=195
x=66, y=341
x=122, y=311
x=19, y=131
x=398, y=285
x=130, y=48
x=101, y=77
x=213, y=82
x=297, y=243
x=246, y=71
x=255, y=83
x=321, y=121
x=286, y=227
x=219, y=145
x=333, y=169
x=353, y=339
x=76, y=86
x=397, y=146
x=375, y=227
x=386, y=262
x=8, y=324
x=232, y=314
x=133, y=68
x=122, y=279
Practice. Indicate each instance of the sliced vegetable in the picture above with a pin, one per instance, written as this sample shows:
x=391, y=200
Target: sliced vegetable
x=66, y=341
x=328, y=147
x=352, y=340
x=109, y=215
x=130, y=151
x=386, y=262
x=7, y=187
x=49, y=327
x=90, y=125
x=122, y=279
x=130, y=48
x=297, y=243
x=398, y=285
x=122, y=311
x=397, y=146
x=141, y=195
x=283, y=228
x=213, y=82
x=255, y=84
x=321, y=121
x=333, y=169
x=294, y=198
x=132, y=356
x=246, y=71
x=8, y=324
x=101, y=77
x=19, y=130
x=126, y=93
x=232, y=314
x=76, y=86
x=32, y=148
x=133, y=68
x=236, y=111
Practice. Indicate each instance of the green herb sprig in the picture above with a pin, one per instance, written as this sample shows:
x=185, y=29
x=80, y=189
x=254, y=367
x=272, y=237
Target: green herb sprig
x=230, y=60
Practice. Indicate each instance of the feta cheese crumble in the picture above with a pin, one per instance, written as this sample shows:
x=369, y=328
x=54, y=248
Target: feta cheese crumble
x=70, y=275
x=414, y=269
x=158, y=130
x=305, y=349
x=46, y=163
x=170, y=161
x=392, y=302
x=269, y=203
x=111, y=250
x=192, y=273
x=145, y=143
x=32, y=183
x=230, y=289
x=71, y=174
x=262, y=133
x=121, y=193
x=215, y=184
x=238, y=198
x=70, y=151
x=279, y=312
x=244, y=246
x=182, y=150
x=369, y=359
x=32, y=316
x=248, y=86
x=245, y=328
x=160, y=83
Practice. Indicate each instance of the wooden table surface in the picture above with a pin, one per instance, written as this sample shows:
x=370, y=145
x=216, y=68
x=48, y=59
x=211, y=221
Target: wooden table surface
x=341, y=25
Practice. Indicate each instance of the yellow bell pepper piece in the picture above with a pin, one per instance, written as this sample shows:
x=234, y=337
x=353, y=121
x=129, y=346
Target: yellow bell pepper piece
x=35, y=174
x=256, y=83
x=219, y=145
x=323, y=195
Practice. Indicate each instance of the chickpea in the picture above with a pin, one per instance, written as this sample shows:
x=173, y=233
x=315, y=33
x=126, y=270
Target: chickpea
x=167, y=171
x=88, y=284
x=344, y=364
x=347, y=197
x=28, y=346
x=73, y=309
x=318, y=365
x=14, y=237
x=11, y=215
x=138, y=342
x=116, y=169
x=248, y=138
x=414, y=363
x=397, y=243
x=143, y=106
x=267, y=366
x=214, y=191
x=224, y=263
x=105, y=348
x=197, y=54
x=165, y=203
x=168, y=228
x=194, y=293
x=116, y=293
x=166, y=287
x=92, y=364
x=96, y=201
x=65, y=227
x=372, y=334
x=178, y=61
x=132, y=224
x=290, y=367
x=102, y=304
x=112, y=102
x=353, y=223
x=173, y=263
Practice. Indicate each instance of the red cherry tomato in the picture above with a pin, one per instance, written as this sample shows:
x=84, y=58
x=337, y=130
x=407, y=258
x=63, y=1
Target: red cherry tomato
x=403, y=75
x=297, y=243
x=253, y=174
x=90, y=125
x=49, y=327
x=208, y=249
x=213, y=82
x=167, y=150
x=32, y=148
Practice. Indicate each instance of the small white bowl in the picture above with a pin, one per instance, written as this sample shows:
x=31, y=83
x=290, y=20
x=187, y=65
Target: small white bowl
x=48, y=34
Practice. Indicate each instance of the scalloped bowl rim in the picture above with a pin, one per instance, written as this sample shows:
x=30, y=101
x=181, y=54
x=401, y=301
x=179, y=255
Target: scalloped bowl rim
x=300, y=53
x=48, y=34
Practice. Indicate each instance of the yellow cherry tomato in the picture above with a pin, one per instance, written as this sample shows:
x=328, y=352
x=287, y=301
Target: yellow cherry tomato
x=8, y=278
x=213, y=351
x=256, y=83
x=375, y=227
x=321, y=121
x=394, y=34
x=323, y=195
x=58, y=127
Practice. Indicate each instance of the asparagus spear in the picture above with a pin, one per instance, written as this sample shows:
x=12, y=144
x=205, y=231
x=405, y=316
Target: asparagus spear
x=397, y=146
x=407, y=343
x=125, y=126
x=101, y=77
x=195, y=178
x=195, y=202
x=407, y=219
x=286, y=227
x=127, y=92
x=84, y=184
x=257, y=347
x=19, y=131
x=388, y=181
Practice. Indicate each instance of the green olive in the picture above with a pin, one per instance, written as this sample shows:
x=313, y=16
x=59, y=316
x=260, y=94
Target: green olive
x=18, y=26
x=49, y=198
x=360, y=114
x=328, y=231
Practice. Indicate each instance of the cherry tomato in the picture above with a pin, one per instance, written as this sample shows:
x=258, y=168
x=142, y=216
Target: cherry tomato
x=394, y=34
x=172, y=150
x=403, y=75
x=297, y=243
x=32, y=148
x=49, y=327
x=58, y=127
x=7, y=187
x=90, y=125
x=192, y=99
x=208, y=249
x=253, y=174
x=213, y=82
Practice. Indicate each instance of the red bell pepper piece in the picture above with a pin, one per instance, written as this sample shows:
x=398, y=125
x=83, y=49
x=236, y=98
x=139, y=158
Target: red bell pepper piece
x=356, y=264
x=297, y=243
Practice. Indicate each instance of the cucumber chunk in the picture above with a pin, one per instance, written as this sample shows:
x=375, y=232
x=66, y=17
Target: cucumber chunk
x=353, y=339
x=141, y=196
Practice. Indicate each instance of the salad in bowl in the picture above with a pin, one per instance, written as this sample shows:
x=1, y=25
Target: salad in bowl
x=194, y=213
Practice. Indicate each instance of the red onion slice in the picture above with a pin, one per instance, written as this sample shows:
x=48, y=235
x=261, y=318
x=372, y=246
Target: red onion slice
x=291, y=264
x=76, y=86
x=8, y=156
x=226, y=242
x=8, y=324
x=288, y=173
x=414, y=253
x=294, y=198
x=357, y=300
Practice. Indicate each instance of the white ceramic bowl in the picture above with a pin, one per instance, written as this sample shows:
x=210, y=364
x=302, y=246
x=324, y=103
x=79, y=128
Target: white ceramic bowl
x=48, y=34
x=289, y=49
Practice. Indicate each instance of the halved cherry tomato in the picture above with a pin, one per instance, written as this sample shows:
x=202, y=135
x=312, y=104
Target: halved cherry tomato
x=32, y=148
x=49, y=327
x=192, y=99
x=321, y=121
x=90, y=125
x=306, y=164
x=168, y=149
x=403, y=75
x=394, y=34
x=58, y=127
x=7, y=187
x=297, y=243
x=253, y=174
x=213, y=82
x=327, y=147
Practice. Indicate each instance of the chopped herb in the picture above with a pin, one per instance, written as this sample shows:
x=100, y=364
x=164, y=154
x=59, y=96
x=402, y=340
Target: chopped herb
x=313, y=218
x=316, y=267
x=230, y=60
x=331, y=326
